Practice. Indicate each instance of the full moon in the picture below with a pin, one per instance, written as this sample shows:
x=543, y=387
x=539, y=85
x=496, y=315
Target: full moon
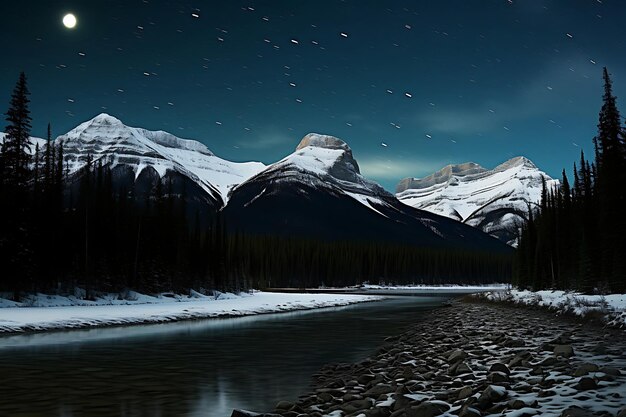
x=69, y=21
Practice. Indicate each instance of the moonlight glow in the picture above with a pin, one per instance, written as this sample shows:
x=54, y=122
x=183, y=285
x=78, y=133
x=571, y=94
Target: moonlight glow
x=69, y=21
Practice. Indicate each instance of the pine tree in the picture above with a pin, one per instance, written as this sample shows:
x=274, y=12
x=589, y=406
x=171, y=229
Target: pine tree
x=608, y=140
x=15, y=229
x=36, y=172
x=59, y=170
x=566, y=191
x=16, y=153
x=47, y=164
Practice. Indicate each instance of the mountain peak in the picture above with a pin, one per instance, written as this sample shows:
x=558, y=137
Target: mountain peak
x=322, y=141
x=105, y=118
x=515, y=162
x=442, y=176
x=102, y=123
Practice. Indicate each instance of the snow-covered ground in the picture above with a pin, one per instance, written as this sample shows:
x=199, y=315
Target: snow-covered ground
x=74, y=312
x=443, y=288
x=612, y=307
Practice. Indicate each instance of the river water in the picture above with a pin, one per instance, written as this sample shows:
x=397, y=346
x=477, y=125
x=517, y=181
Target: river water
x=200, y=368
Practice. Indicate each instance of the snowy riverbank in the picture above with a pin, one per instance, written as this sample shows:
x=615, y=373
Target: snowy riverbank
x=609, y=308
x=43, y=312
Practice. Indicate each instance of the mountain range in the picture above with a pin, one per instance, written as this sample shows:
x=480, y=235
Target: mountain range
x=495, y=201
x=315, y=192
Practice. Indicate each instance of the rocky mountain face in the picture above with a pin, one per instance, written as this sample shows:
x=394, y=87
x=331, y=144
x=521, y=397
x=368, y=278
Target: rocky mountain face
x=140, y=155
x=495, y=201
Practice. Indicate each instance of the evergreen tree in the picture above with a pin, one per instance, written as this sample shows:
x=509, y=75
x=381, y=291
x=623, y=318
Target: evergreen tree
x=16, y=149
x=566, y=191
x=47, y=164
x=36, y=172
x=15, y=230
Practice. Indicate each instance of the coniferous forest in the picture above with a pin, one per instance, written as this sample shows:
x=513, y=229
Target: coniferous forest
x=577, y=238
x=59, y=231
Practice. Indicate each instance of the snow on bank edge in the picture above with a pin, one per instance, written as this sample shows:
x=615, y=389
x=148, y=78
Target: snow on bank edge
x=24, y=319
x=611, y=308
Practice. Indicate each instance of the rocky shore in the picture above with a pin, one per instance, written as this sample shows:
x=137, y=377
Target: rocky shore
x=473, y=360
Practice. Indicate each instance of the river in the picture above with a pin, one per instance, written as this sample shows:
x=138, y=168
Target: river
x=198, y=368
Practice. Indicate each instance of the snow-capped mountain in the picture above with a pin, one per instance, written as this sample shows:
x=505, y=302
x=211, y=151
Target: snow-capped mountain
x=318, y=191
x=327, y=163
x=495, y=201
x=140, y=151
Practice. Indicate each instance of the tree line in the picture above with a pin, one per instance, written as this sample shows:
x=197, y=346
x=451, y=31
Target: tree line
x=577, y=238
x=61, y=229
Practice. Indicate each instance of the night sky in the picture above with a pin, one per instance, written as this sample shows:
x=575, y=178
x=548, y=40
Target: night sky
x=437, y=82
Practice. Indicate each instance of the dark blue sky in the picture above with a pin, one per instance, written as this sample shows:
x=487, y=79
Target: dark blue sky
x=438, y=82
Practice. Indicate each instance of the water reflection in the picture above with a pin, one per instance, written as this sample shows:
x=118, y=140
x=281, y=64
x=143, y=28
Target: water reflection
x=201, y=368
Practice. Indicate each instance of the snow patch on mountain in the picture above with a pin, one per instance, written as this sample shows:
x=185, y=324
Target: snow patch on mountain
x=496, y=201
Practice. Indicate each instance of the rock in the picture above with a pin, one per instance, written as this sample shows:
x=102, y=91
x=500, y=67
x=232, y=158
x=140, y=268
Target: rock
x=549, y=361
x=610, y=371
x=547, y=382
x=284, y=405
x=398, y=413
x=427, y=409
x=401, y=401
x=407, y=373
x=564, y=339
x=497, y=377
x=514, y=343
x=500, y=367
x=622, y=412
x=522, y=387
x=378, y=412
x=351, y=397
x=457, y=355
x=521, y=359
x=574, y=411
x=585, y=368
x=324, y=397
x=537, y=370
x=459, y=368
x=563, y=350
x=376, y=390
x=490, y=395
x=356, y=405
x=464, y=393
x=546, y=393
x=496, y=408
x=585, y=384
x=307, y=401
x=516, y=404
x=365, y=378
x=467, y=411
